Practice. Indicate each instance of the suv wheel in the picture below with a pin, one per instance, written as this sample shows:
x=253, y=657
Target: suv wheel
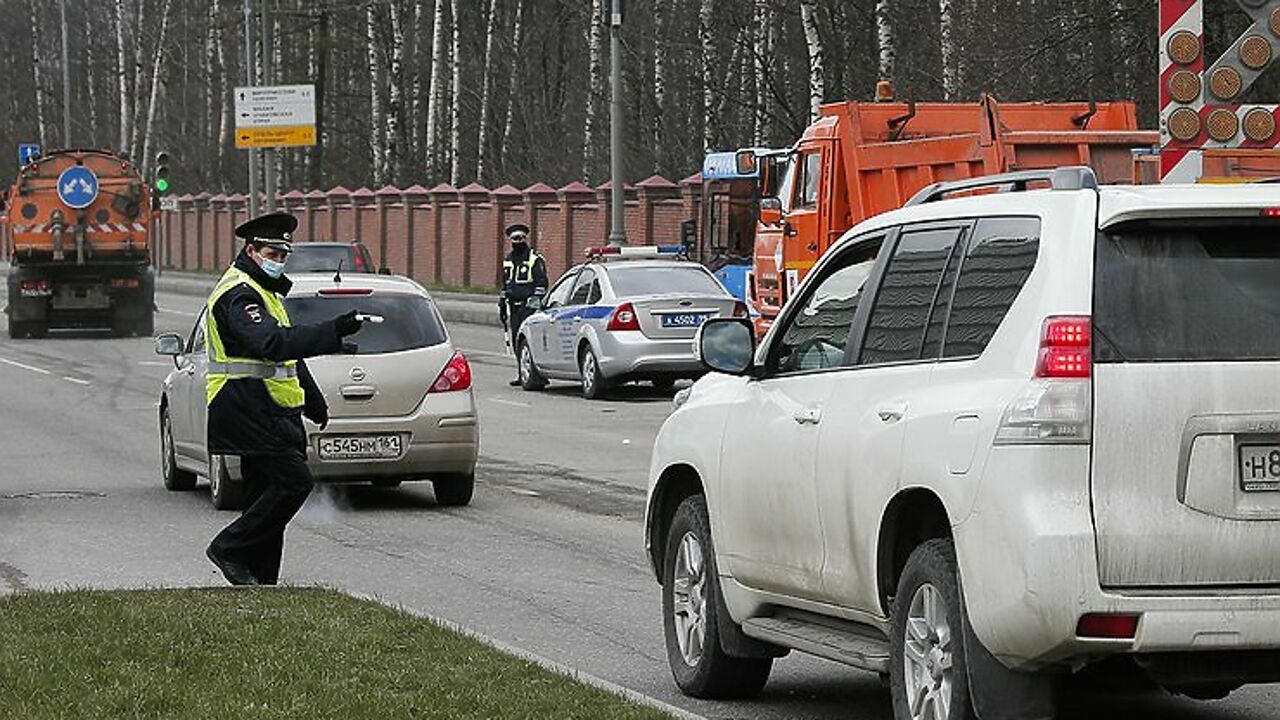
x=594, y=384
x=175, y=478
x=929, y=678
x=691, y=607
x=530, y=378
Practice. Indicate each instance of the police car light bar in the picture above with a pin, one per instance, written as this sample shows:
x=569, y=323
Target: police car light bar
x=642, y=251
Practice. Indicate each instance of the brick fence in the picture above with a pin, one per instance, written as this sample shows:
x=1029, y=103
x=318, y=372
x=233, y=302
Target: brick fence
x=443, y=235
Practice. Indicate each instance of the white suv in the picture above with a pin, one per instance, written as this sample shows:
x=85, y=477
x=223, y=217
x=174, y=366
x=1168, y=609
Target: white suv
x=992, y=440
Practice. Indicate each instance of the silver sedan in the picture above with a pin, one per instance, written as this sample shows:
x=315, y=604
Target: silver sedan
x=605, y=323
x=402, y=408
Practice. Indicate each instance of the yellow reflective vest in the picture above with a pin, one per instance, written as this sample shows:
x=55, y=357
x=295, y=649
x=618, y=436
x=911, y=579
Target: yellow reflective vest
x=281, y=378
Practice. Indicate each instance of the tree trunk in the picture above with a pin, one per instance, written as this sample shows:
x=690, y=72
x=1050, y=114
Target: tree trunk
x=123, y=68
x=517, y=37
x=395, y=108
x=90, y=52
x=415, y=119
x=661, y=18
x=950, y=58
x=377, y=120
x=315, y=172
x=38, y=72
x=212, y=75
x=763, y=53
x=482, y=135
x=435, y=92
x=139, y=83
x=595, y=65
x=157, y=77
x=817, y=79
x=706, y=15
x=455, y=112
x=884, y=38
x=226, y=88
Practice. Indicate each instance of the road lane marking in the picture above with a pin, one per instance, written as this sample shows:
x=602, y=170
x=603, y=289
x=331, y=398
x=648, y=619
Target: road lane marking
x=154, y=363
x=77, y=381
x=24, y=366
x=484, y=353
x=510, y=402
x=178, y=312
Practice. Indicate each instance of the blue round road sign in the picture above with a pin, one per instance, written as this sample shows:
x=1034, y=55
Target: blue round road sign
x=77, y=187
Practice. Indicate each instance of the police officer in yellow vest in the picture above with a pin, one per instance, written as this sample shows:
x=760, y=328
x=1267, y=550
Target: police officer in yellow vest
x=524, y=276
x=258, y=389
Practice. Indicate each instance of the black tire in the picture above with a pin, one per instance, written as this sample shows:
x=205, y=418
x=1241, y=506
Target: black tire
x=713, y=673
x=122, y=322
x=931, y=573
x=226, y=494
x=664, y=385
x=530, y=377
x=594, y=384
x=17, y=329
x=175, y=478
x=147, y=324
x=37, y=329
x=454, y=491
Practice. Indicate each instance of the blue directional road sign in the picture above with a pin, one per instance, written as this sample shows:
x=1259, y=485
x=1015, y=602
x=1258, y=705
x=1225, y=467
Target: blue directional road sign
x=27, y=152
x=77, y=187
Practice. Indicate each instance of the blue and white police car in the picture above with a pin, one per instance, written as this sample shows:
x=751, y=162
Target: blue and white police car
x=627, y=314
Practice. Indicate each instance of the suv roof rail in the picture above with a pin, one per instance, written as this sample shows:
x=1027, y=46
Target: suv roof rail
x=1076, y=177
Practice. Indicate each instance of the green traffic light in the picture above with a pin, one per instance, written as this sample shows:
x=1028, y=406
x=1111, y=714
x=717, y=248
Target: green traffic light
x=162, y=185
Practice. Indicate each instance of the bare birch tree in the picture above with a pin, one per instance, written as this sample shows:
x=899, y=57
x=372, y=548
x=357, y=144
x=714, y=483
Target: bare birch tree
x=661, y=17
x=950, y=58
x=455, y=111
x=884, y=38
x=762, y=53
x=395, y=106
x=817, y=77
x=377, y=120
x=435, y=89
x=706, y=15
x=157, y=81
x=595, y=73
x=38, y=72
x=123, y=68
x=513, y=84
x=416, y=107
x=482, y=133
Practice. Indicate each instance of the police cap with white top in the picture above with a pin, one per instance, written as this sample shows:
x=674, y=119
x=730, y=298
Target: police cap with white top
x=273, y=230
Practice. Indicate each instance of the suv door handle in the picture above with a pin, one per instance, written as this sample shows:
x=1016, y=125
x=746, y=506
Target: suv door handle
x=808, y=416
x=891, y=412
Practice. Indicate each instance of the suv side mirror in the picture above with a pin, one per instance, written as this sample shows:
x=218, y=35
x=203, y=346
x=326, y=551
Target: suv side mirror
x=770, y=211
x=727, y=345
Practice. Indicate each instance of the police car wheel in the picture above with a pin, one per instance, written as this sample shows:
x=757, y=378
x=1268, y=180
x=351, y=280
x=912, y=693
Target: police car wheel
x=175, y=478
x=530, y=377
x=594, y=385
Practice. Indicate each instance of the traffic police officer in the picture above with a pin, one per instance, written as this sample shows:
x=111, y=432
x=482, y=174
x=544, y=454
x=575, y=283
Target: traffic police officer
x=524, y=276
x=257, y=390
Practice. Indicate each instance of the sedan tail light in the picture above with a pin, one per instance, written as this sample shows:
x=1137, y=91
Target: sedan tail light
x=454, y=377
x=624, y=318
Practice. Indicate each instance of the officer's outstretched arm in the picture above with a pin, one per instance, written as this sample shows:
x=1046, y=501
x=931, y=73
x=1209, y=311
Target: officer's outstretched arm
x=260, y=336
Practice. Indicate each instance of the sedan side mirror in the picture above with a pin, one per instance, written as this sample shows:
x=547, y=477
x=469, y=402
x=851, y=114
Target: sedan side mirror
x=535, y=303
x=770, y=211
x=169, y=344
x=727, y=345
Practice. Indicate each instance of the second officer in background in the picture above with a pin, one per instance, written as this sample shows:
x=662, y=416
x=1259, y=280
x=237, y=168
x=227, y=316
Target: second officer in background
x=524, y=277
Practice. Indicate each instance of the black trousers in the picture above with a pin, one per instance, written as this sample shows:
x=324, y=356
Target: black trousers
x=256, y=539
x=516, y=315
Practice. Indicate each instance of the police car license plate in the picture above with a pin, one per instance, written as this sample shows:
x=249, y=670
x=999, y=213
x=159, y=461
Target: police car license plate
x=1260, y=468
x=361, y=447
x=683, y=320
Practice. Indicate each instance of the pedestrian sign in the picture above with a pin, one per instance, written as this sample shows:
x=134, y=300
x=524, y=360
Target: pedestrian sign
x=77, y=187
x=27, y=152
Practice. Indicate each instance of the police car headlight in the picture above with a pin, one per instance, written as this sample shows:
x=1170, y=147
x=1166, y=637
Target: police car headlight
x=682, y=396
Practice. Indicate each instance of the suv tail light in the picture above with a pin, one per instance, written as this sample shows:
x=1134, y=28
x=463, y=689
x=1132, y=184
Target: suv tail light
x=455, y=376
x=740, y=309
x=624, y=318
x=1056, y=406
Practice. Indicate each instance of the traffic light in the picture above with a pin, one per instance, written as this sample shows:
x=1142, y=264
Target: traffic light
x=161, y=182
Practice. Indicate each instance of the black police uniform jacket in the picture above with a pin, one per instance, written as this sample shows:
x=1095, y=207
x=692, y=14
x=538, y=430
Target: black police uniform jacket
x=518, y=292
x=243, y=419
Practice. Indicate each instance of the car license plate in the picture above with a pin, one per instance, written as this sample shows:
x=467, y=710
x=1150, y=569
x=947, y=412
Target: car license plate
x=683, y=320
x=1260, y=468
x=361, y=447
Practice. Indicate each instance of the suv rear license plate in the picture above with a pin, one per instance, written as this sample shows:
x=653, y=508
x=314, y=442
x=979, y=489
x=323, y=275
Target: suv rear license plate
x=361, y=447
x=1260, y=468
x=683, y=320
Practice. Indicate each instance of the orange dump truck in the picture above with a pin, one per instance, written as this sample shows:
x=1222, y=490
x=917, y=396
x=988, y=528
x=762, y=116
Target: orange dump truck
x=859, y=159
x=78, y=228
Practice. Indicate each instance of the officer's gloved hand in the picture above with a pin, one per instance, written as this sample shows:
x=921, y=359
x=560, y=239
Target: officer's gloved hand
x=347, y=324
x=318, y=414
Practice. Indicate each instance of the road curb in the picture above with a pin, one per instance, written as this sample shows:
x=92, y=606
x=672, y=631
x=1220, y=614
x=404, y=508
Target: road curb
x=545, y=663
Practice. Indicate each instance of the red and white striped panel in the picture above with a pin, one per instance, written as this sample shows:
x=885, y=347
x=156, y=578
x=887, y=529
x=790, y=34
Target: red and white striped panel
x=1179, y=162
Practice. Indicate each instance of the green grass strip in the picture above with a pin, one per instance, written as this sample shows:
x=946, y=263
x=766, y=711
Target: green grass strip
x=262, y=654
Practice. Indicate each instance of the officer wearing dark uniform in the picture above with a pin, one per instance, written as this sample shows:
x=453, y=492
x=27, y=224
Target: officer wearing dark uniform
x=258, y=389
x=524, y=275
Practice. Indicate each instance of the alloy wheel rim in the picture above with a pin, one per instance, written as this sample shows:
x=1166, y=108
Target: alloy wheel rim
x=526, y=360
x=689, y=599
x=215, y=476
x=589, y=372
x=927, y=656
x=166, y=445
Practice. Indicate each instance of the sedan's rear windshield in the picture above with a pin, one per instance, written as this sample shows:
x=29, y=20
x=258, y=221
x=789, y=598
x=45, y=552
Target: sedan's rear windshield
x=408, y=321
x=634, y=281
x=1188, y=291
x=312, y=258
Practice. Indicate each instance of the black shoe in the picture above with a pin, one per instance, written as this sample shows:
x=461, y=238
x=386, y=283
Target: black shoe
x=234, y=572
x=514, y=383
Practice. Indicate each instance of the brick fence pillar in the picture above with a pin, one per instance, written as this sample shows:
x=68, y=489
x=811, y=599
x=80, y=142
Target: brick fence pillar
x=361, y=200
x=386, y=196
x=313, y=200
x=339, y=198
x=472, y=196
x=413, y=197
x=506, y=201
x=691, y=198
x=653, y=190
x=440, y=195
x=573, y=198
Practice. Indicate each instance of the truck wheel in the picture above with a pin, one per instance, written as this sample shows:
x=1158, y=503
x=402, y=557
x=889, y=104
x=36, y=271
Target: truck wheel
x=17, y=329
x=530, y=378
x=175, y=478
x=122, y=322
x=37, y=329
x=147, y=324
x=227, y=494
x=454, y=491
x=594, y=384
x=929, y=676
x=691, y=607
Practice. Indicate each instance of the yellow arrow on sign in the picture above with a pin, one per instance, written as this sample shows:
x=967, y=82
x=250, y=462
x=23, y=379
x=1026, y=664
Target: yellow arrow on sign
x=284, y=136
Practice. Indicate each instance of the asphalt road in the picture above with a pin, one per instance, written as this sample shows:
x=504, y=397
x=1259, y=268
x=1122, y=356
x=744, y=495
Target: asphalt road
x=547, y=558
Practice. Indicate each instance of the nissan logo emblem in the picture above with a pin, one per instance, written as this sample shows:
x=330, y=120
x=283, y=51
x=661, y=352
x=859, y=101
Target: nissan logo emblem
x=357, y=374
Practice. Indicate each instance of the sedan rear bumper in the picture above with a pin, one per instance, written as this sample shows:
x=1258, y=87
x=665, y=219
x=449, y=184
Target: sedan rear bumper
x=630, y=353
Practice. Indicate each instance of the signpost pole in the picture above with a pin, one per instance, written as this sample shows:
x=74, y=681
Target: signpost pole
x=248, y=72
x=268, y=78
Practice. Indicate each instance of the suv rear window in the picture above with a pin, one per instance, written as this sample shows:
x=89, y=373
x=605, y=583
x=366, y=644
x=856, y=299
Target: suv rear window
x=634, y=281
x=312, y=258
x=1187, y=290
x=409, y=321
